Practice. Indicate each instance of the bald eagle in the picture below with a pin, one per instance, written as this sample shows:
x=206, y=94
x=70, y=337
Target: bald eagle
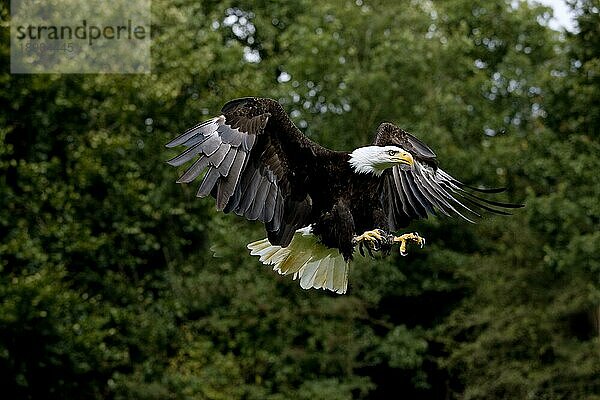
x=319, y=205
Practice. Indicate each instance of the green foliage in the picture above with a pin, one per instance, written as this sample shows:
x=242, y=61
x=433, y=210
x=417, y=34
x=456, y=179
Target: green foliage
x=108, y=283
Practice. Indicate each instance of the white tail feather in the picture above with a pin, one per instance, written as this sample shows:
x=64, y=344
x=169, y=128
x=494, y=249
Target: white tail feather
x=316, y=265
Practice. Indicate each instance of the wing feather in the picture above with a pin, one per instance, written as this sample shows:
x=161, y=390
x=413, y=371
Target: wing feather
x=186, y=155
x=447, y=198
x=259, y=199
x=409, y=193
x=431, y=199
x=417, y=193
x=227, y=163
x=248, y=142
x=250, y=193
x=196, y=133
x=211, y=144
x=192, y=172
x=402, y=191
x=218, y=156
x=424, y=190
x=483, y=206
x=429, y=190
x=229, y=135
x=228, y=184
x=208, y=183
x=275, y=224
x=270, y=203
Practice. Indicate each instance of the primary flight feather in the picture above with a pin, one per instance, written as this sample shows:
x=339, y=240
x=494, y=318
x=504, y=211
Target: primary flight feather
x=318, y=205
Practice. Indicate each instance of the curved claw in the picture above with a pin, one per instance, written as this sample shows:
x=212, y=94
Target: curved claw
x=370, y=252
x=374, y=240
x=361, y=249
x=375, y=245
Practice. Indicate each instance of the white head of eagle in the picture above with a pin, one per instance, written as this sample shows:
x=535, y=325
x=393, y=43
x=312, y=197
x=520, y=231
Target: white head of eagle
x=376, y=159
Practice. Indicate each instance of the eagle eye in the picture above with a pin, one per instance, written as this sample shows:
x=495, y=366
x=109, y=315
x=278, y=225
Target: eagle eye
x=392, y=152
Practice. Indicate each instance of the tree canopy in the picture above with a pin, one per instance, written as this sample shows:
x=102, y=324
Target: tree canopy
x=116, y=283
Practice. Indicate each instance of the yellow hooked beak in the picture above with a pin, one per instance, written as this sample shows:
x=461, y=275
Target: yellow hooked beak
x=404, y=157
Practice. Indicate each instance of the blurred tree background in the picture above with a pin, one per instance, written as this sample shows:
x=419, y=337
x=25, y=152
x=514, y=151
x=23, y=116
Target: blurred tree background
x=108, y=284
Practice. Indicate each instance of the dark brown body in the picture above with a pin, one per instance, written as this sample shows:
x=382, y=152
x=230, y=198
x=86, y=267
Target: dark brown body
x=344, y=203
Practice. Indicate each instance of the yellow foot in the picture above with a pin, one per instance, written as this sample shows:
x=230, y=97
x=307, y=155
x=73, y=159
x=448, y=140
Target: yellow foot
x=413, y=237
x=376, y=235
x=373, y=240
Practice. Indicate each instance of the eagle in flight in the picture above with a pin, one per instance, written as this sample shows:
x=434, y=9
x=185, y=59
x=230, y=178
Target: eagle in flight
x=319, y=205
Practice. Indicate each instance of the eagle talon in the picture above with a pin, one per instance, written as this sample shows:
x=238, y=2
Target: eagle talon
x=403, y=239
x=373, y=240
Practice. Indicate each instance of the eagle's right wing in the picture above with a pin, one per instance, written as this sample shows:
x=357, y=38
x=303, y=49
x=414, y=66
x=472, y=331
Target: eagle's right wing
x=249, y=170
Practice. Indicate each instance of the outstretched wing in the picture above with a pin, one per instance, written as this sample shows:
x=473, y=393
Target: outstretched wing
x=423, y=189
x=250, y=169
